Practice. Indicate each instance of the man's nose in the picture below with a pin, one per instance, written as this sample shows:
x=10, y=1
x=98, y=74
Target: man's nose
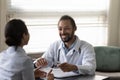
x=62, y=31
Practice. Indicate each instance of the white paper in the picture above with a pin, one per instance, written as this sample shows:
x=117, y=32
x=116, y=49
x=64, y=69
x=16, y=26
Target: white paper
x=58, y=73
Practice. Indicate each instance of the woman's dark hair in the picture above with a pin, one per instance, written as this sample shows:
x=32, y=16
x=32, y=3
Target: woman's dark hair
x=67, y=17
x=14, y=31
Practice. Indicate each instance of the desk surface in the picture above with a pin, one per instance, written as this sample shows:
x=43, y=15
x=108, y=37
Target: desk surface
x=60, y=75
x=96, y=77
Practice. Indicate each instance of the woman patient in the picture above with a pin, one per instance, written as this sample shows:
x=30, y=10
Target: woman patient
x=14, y=62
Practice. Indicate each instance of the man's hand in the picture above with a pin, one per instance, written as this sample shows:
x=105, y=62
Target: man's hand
x=65, y=67
x=41, y=62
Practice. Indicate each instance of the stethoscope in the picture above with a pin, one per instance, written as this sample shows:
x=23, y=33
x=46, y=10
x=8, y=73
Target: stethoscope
x=58, y=55
x=57, y=61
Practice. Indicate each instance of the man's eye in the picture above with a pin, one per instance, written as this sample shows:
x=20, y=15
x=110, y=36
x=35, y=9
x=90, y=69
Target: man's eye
x=59, y=29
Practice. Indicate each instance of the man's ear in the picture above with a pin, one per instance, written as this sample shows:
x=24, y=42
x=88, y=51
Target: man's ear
x=75, y=28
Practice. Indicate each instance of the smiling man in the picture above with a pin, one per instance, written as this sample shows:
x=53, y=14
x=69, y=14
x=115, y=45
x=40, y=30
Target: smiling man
x=72, y=53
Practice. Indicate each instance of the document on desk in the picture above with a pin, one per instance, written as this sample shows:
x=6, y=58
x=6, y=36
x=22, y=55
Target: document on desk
x=58, y=73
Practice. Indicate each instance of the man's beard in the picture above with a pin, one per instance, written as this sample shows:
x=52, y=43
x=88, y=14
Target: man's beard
x=68, y=38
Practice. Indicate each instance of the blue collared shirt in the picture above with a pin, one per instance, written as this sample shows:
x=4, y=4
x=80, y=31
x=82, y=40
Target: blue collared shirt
x=66, y=50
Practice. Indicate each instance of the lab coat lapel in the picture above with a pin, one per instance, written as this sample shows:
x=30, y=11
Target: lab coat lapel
x=62, y=56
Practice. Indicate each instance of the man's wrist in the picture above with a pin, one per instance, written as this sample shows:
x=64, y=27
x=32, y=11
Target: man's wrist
x=75, y=67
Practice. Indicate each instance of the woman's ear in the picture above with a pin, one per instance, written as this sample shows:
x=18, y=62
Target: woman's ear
x=26, y=38
x=23, y=40
x=24, y=35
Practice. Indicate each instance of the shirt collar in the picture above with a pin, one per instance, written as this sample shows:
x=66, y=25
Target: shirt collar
x=19, y=49
x=77, y=44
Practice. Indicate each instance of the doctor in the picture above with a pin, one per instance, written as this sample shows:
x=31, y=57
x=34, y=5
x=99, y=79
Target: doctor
x=70, y=52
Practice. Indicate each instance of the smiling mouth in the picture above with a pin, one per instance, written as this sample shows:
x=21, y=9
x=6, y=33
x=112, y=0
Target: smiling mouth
x=63, y=36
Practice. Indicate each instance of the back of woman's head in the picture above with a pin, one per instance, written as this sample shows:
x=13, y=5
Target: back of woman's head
x=14, y=31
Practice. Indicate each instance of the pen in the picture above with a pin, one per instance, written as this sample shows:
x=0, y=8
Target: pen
x=58, y=63
x=50, y=71
x=55, y=65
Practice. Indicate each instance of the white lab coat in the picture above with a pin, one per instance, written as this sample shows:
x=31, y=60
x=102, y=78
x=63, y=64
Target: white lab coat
x=82, y=55
x=15, y=65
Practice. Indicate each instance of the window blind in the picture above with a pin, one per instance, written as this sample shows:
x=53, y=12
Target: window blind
x=41, y=17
